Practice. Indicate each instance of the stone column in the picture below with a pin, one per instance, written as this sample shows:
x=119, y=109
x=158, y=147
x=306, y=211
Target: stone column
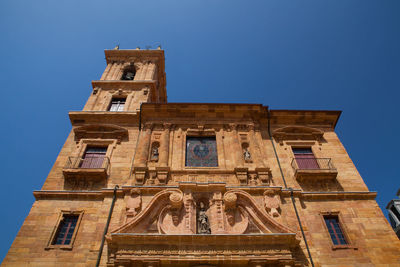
x=237, y=148
x=142, y=154
x=164, y=146
x=106, y=71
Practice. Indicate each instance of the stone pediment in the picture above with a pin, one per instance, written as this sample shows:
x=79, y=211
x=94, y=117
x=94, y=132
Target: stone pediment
x=103, y=131
x=170, y=228
x=297, y=132
x=174, y=212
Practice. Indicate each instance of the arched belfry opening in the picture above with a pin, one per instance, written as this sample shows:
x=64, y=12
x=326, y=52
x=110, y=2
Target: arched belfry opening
x=129, y=73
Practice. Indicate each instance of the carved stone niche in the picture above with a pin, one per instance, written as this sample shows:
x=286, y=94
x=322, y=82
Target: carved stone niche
x=272, y=201
x=103, y=131
x=133, y=204
x=297, y=133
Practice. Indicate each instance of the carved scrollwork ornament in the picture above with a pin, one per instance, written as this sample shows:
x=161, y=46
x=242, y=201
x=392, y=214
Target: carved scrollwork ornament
x=272, y=202
x=175, y=205
x=230, y=200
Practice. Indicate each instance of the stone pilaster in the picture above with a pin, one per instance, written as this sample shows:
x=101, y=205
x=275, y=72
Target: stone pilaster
x=142, y=154
x=164, y=146
x=237, y=148
x=256, y=148
x=106, y=71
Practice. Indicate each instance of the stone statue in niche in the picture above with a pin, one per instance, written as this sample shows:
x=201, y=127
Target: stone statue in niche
x=134, y=203
x=203, y=225
x=272, y=202
x=246, y=153
x=154, y=153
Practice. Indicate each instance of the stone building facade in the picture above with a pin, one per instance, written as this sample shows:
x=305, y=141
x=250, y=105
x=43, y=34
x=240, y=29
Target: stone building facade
x=393, y=208
x=189, y=184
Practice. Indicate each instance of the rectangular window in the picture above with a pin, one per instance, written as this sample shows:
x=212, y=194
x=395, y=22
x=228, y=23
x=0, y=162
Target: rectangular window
x=117, y=104
x=335, y=231
x=93, y=157
x=65, y=230
x=305, y=158
x=201, y=152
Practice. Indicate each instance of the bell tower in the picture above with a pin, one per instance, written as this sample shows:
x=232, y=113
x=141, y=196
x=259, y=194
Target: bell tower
x=131, y=77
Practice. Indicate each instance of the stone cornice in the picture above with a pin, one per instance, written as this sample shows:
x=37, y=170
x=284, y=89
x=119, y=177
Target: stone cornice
x=361, y=195
x=124, y=85
x=108, y=192
x=80, y=118
x=321, y=119
x=202, y=111
x=288, y=239
x=55, y=194
x=133, y=55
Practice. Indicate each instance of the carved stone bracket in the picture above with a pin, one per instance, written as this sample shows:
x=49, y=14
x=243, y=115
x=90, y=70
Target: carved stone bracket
x=242, y=175
x=140, y=175
x=162, y=174
x=264, y=175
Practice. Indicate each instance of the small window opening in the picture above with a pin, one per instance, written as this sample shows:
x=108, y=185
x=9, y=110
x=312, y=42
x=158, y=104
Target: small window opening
x=117, y=104
x=65, y=229
x=129, y=74
x=335, y=231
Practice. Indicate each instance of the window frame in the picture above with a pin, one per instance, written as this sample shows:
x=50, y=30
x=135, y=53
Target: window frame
x=118, y=104
x=200, y=136
x=350, y=244
x=61, y=215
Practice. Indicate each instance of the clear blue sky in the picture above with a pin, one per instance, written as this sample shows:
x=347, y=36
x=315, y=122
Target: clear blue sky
x=311, y=54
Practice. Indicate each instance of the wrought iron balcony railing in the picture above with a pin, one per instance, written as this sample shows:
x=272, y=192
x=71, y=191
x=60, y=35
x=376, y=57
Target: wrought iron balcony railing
x=90, y=167
x=314, y=168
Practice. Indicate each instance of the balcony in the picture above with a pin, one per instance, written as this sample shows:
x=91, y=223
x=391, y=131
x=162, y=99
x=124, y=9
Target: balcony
x=94, y=168
x=306, y=169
